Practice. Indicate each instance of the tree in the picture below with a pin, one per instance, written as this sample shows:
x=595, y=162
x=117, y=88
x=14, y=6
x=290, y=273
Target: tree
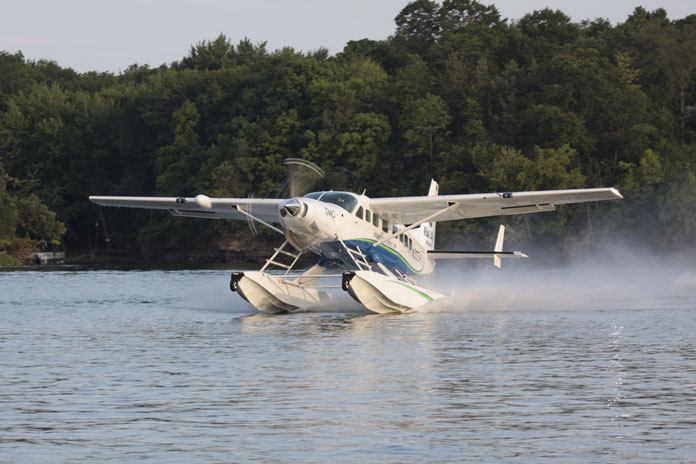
x=667, y=63
x=500, y=166
x=641, y=179
x=178, y=163
x=8, y=209
x=551, y=169
x=210, y=55
x=362, y=145
x=549, y=30
x=26, y=216
x=457, y=15
x=14, y=74
x=426, y=120
x=39, y=222
x=677, y=204
x=418, y=25
x=352, y=85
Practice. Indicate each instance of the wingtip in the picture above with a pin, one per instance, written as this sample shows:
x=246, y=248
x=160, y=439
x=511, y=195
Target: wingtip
x=616, y=193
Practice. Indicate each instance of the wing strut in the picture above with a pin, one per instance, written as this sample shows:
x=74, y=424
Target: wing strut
x=254, y=218
x=450, y=205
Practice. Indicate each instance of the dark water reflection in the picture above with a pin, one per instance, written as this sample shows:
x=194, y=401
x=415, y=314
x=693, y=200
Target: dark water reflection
x=171, y=367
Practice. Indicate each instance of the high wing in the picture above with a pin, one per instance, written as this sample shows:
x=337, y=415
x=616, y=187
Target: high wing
x=407, y=210
x=201, y=206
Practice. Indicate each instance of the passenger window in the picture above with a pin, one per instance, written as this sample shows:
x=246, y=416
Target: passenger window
x=410, y=244
x=394, y=229
x=385, y=225
x=375, y=220
x=359, y=214
x=368, y=215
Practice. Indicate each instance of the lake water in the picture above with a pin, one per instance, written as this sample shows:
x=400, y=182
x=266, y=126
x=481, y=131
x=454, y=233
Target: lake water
x=170, y=366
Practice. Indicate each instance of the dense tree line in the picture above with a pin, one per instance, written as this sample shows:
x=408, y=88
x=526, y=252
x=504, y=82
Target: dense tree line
x=457, y=93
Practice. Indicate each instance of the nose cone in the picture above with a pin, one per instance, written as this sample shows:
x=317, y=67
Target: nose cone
x=290, y=207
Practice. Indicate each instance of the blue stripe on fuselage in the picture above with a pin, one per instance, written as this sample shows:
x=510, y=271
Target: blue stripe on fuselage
x=391, y=258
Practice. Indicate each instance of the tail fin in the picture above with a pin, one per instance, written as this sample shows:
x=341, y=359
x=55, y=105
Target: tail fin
x=434, y=188
x=426, y=232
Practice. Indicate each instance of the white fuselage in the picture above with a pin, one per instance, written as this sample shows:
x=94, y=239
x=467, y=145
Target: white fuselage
x=325, y=227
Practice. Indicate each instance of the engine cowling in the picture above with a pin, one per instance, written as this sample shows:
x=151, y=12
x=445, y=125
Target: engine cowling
x=310, y=221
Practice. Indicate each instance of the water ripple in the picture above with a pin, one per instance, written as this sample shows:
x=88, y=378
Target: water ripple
x=122, y=366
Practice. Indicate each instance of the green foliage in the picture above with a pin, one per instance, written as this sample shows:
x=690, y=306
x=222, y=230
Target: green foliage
x=641, y=179
x=28, y=217
x=500, y=166
x=677, y=204
x=8, y=260
x=364, y=141
x=476, y=101
x=425, y=122
x=178, y=163
x=8, y=208
x=418, y=24
x=551, y=169
x=38, y=221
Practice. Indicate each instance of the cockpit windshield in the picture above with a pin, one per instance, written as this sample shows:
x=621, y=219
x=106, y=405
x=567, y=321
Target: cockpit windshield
x=345, y=200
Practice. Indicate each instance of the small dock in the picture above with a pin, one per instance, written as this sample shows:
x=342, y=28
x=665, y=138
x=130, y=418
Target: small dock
x=49, y=257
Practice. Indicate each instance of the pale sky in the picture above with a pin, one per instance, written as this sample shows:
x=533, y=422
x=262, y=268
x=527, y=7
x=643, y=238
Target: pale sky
x=96, y=35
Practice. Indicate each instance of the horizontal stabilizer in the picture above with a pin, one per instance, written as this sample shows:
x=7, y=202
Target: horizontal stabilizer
x=438, y=254
x=497, y=254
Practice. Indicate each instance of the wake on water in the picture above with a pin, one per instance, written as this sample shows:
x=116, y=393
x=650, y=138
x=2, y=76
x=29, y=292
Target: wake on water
x=621, y=280
x=214, y=295
x=617, y=281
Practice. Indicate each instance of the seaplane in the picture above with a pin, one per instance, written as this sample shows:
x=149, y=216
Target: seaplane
x=380, y=246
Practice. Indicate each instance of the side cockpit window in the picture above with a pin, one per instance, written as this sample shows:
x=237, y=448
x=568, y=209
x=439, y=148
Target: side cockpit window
x=359, y=213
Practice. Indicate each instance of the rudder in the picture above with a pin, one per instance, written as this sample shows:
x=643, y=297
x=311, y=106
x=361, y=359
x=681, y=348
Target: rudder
x=426, y=231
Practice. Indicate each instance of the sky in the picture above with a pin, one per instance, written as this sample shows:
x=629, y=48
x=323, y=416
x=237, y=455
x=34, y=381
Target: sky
x=96, y=35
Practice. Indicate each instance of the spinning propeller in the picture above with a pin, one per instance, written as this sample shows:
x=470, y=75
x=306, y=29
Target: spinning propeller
x=300, y=178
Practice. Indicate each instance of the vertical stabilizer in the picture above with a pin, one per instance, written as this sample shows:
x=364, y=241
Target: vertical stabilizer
x=434, y=188
x=426, y=231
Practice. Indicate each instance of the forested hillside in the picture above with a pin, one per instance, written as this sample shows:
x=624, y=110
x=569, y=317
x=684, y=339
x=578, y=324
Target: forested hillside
x=456, y=93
